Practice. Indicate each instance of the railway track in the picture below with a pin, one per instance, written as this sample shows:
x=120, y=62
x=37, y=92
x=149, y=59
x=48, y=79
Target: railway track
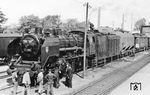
x=3, y=72
x=110, y=81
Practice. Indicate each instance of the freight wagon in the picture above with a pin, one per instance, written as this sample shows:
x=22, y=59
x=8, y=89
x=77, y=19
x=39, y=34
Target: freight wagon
x=8, y=45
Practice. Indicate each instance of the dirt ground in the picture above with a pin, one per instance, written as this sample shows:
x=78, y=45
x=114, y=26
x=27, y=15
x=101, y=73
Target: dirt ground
x=79, y=82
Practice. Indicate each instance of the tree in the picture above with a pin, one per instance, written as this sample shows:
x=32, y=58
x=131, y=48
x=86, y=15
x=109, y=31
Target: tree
x=140, y=23
x=51, y=22
x=29, y=23
x=3, y=19
x=13, y=28
x=71, y=24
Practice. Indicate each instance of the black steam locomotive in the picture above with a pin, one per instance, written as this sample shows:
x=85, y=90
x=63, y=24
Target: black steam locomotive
x=101, y=48
x=42, y=50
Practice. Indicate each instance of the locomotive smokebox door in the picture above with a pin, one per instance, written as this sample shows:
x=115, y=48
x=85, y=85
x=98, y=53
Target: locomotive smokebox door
x=49, y=48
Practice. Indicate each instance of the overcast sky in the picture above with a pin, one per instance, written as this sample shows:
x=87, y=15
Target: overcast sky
x=111, y=10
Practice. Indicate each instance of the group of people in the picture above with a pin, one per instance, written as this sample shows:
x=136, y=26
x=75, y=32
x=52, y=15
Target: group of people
x=45, y=82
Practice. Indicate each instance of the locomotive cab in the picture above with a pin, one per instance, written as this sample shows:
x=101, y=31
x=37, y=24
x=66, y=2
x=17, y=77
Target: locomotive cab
x=49, y=49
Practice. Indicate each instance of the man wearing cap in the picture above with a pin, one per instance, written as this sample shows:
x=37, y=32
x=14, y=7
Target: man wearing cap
x=14, y=80
x=26, y=81
x=40, y=81
x=50, y=77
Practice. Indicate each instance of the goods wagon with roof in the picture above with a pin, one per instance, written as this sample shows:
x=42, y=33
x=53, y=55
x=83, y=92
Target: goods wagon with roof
x=145, y=30
x=140, y=42
x=126, y=41
x=9, y=45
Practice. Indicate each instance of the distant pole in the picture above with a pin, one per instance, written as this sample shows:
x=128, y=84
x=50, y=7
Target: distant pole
x=86, y=28
x=122, y=25
x=131, y=21
x=99, y=17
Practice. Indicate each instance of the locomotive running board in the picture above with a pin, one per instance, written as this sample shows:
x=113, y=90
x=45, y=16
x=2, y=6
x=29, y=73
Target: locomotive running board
x=25, y=64
x=71, y=48
x=28, y=62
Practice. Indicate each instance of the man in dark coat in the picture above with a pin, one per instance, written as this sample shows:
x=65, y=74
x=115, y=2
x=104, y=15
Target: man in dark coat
x=34, y=73
x=69, y=76
x=56, y=80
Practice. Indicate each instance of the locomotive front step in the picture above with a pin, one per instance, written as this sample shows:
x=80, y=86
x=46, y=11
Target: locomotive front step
x=25, y=64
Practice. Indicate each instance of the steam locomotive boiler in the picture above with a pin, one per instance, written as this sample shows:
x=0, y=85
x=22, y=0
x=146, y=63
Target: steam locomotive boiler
x=45, y=51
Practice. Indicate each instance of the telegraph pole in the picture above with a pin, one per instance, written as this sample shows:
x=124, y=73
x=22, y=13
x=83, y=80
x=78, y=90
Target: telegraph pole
x=131, y=21
x=122, y=25
x=99, y=17
x=85, y=34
